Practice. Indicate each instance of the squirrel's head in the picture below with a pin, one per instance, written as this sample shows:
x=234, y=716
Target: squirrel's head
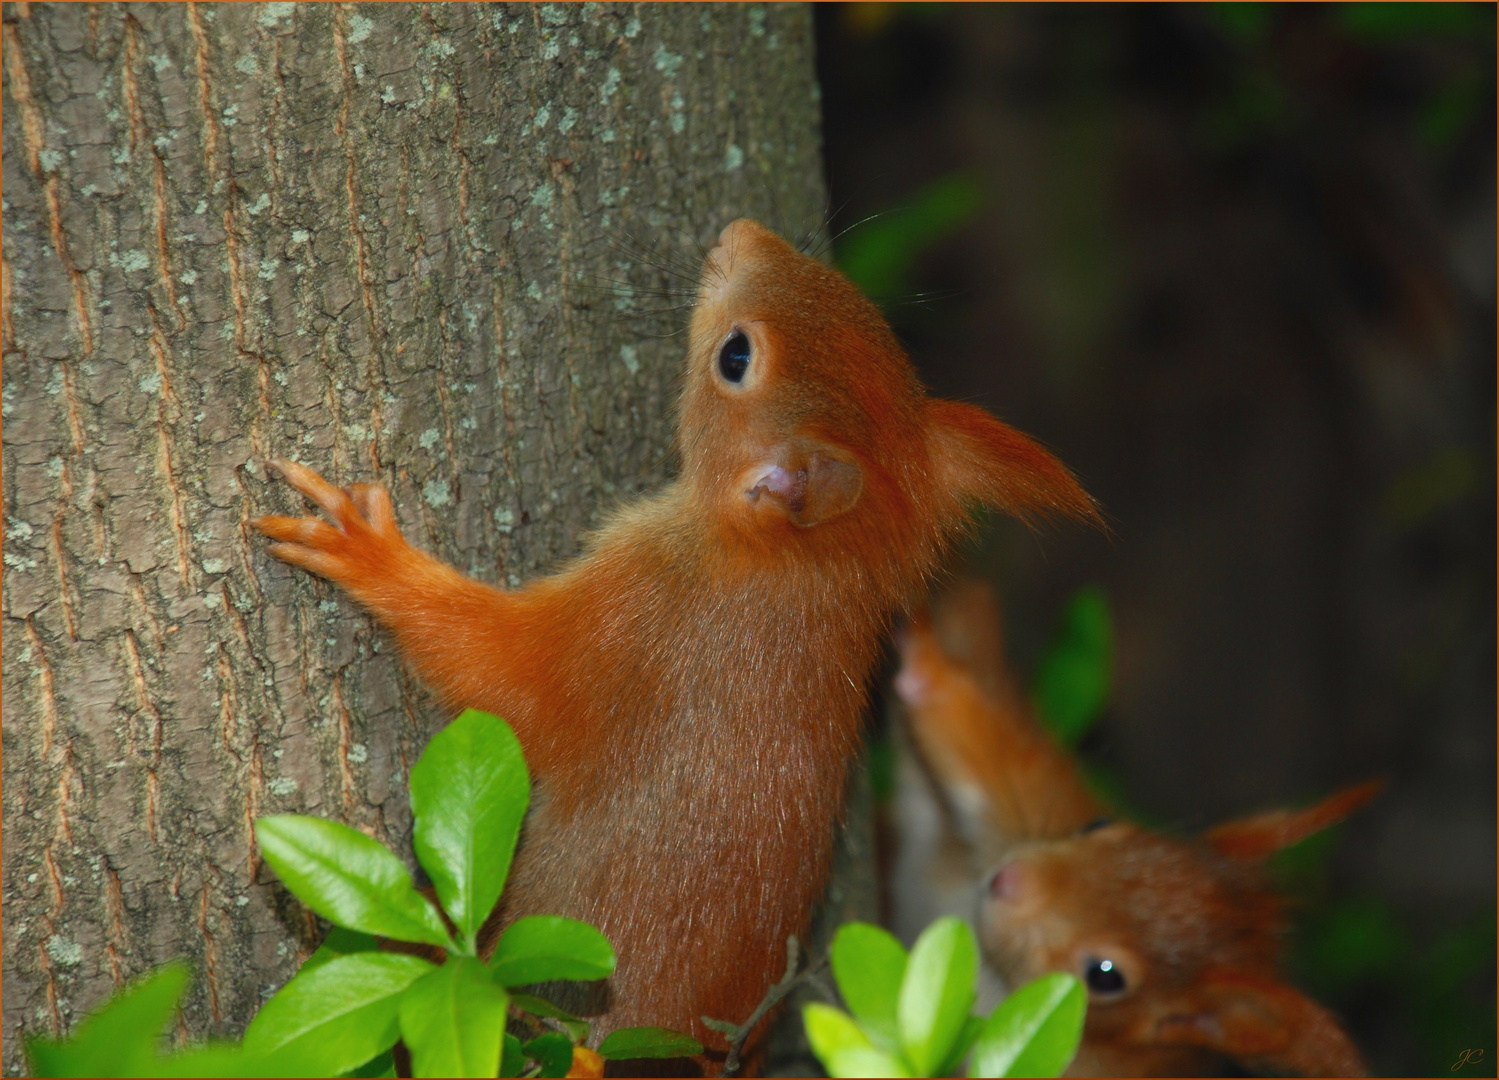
x=1128, y=911
x=802, y=417
x=1177, y=941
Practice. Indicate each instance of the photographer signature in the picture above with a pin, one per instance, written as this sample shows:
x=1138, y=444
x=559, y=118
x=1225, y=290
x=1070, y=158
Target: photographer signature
x=1467, y=1057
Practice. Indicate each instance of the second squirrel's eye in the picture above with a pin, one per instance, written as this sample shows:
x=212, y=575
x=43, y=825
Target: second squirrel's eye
x=734, y=357
x=1103, y=977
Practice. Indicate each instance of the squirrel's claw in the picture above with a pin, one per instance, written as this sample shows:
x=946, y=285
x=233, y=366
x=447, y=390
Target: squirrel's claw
x=334, y=500
x=309, y=531
x=373, y=502
x=356, y=547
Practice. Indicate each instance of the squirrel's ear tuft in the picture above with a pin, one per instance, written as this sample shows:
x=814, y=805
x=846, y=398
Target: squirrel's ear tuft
x=977, y=458
x=1255, y=837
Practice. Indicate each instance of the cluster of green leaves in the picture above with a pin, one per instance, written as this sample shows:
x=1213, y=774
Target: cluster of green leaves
x=912, y=1012
x=348, y=1005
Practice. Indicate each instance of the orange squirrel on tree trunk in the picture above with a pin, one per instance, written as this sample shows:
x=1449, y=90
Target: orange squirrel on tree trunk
x=689, y=691
x=1177, y=940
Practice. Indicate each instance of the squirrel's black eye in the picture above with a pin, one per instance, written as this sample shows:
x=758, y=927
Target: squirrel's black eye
x=734, y=357
x=1096, y=824
x=1103, y=977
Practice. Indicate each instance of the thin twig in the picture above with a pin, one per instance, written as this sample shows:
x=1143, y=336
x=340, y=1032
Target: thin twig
x=739, y=1033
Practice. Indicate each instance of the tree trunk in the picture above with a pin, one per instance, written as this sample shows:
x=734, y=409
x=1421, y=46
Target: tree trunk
x=384, y=240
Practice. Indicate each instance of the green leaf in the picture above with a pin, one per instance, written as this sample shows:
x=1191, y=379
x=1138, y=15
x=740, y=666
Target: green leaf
x=381, y=1066
x=540, y=948
x=214, y=1060
x=348, y=878
x=553, y=1051
x=469, y=794
x=961, y=1045
x=1034, y=1031
x=868, y=965
x=340, y=942
x=647, y=1042
x=512, y=1057
x=120, y=1039
x=937, y=993
x=1072, y=680
x=844, y=1049
x=337, y=1016
x=538, y=1006
x=452, y=1019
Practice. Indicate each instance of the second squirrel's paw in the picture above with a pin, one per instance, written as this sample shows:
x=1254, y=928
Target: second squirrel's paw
x=356, y=549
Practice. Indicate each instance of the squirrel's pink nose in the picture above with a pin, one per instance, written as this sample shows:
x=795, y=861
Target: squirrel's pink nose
x=1005, y=883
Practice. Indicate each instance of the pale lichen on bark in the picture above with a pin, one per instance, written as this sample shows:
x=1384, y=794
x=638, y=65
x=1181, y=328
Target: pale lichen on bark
x=370, y=238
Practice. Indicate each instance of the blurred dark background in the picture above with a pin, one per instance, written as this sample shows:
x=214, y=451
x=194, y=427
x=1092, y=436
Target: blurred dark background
x=1235, y=264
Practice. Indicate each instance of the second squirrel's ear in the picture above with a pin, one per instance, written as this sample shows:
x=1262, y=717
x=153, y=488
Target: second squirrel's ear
x=978, y=459
x=1260, y=835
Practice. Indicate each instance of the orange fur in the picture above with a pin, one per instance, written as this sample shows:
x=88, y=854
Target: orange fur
x=689, y=691
x=992, y=760
x=967, y=627
x=1191, y=926
x=1263, y=834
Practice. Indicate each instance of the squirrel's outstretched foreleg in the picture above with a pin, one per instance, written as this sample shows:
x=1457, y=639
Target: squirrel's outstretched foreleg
x=450, y=628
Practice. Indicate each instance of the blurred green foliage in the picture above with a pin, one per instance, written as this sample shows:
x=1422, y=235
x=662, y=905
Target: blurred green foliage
x=1361, y=952
x=1071, y=683
x=1403, y=21
x=1248, y=22
x=1350, y=942
x=1417, y=492
x=1109, y=789
x=1449, y=1015
x=1070, y=690
x=877, y=255
x=1301, y=869
x=1371, y=22
x=1450, y=109
x=1259, y=99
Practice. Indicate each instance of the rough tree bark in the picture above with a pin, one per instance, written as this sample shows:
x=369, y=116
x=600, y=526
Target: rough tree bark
x=369, y=238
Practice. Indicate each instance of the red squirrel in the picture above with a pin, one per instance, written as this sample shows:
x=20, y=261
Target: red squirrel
x=689, y=691
x=1177, y=940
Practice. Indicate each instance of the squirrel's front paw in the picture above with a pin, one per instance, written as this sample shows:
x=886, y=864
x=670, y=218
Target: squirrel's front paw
x=356, y=549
